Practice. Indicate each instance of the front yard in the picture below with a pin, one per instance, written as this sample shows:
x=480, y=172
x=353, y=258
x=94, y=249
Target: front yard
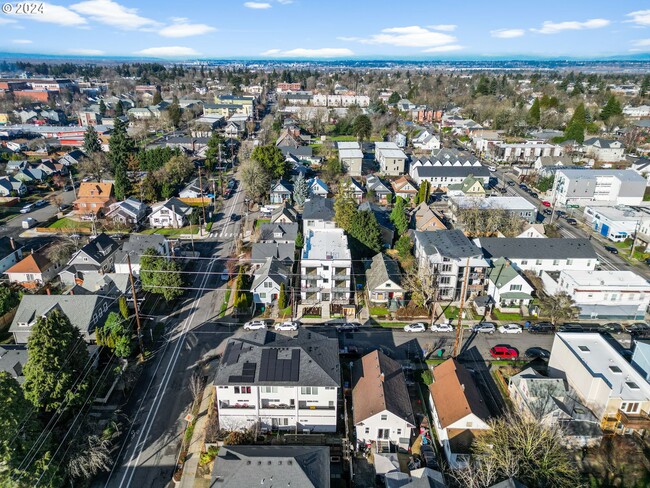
x=67, y=223
x=190, y=229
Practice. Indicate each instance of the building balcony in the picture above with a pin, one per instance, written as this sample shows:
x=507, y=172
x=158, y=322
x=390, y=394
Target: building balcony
x=276, y=406
x=235, y=406
x=343, y=276
x=637, y=421
x=304, y=406
x=310, y=277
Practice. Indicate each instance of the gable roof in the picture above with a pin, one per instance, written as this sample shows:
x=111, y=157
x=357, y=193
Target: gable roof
x=318, y=208
x=92, y=189
x=254, y=466
x=286, y=210
x=138, y=244
x=33, y=263
x=12, y=360
x=455, y=394
x=99, y=249
x=375, y=184
x=532, y=248
x=130, y=206
x=273, y=269
x=6, y=247
x=449, y=243
x=602, y=143
x=502, y=272
x=401, y=182
x=175, y=205
x=278, y=231
x=382, y=269
x=378, y=384
x=305, y=359
x=282, y=186
x=284, y=251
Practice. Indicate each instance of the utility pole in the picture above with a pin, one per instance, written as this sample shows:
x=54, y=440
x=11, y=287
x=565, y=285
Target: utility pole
x=636, y=233
x=135, y=305
x=74, y=190
x=459, y=331
x=202, y=204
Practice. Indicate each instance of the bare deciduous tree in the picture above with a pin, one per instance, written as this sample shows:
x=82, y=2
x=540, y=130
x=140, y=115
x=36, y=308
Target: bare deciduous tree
x=196, y=385
x=60, y=251
x=422, y=282
x=96, y=165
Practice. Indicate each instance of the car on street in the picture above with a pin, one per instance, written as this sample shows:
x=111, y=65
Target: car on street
x=288, y=325
x=647, y=261
x=255, y=325
x=541, y=328
x=611, y=249
x=485, y=328
x=572, y=328
x=510, y=329
x=534, y=194
x=347, y=327
x=27, y=208
x=523, y=186
x=560, y=213
x=504, y=352
x=613, y=328
x=492, y=168
x=416, y=327
x=511, y=183
x=86, y=179
x=67, y=188
x=235, y=217
x=546, y=203
x=442, y=328
x=547, y=211
x=571, y=221
x=537, y=352
x=503, y=190
x=428, y=456
x=40, y=203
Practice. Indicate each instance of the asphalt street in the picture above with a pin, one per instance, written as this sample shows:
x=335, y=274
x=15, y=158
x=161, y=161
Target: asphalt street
x=149, y=451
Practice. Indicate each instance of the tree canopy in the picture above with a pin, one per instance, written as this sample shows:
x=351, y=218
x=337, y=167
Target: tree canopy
x=612, y=108
x=300, y=190
x=160, y=275
x=362, y=127
x=116, y=335
x=398, y=216
x=575, y=129
x=120, y=144
x=534, y=114
x=272, y=160
x=91, y=140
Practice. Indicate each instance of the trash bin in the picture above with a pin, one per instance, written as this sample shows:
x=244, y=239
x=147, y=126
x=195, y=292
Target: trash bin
x=439, y=353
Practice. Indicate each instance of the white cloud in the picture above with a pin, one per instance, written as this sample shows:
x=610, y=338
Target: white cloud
x=325, y=52
x=444, y=49
x=21, y=41
x=5, y=21
x=257, y=5
x=549, y=27
x=285, y=2
x=113, y=14
x=86, y=52
x=168, y=52
x=185, y=29
x=443, y=27
x=642, y=43
x=640, y=17
x=53, y=14
x=410, y=36
x=507, y=33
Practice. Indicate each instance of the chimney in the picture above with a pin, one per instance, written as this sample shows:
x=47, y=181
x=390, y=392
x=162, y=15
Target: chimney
x=381, y=377
x=463, y=386
x=49, y=292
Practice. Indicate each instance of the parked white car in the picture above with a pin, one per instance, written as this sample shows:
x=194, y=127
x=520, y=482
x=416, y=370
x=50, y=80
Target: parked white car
x=255, y=325
x=510, y=329
x=492, y=168
x=442, y=328
x=416, y=327
x=27, y=208
x=288, y=325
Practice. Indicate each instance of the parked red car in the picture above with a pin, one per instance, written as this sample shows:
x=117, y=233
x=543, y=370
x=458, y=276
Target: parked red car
x=504, y=352
x=546, y=204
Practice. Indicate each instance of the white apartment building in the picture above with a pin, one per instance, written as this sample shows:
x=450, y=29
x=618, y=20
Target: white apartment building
x=637, y=112
x=605, y=382
x=279, y=382
x=532, y=254
x=617, y=223
x=351, y=157
x=447, y=167
x=604, y=150
x=603, y=294
x=526, y=152
x=585, y=186
x=391, y=159
x=325, y=268
x=318, y=213
x=449, y=252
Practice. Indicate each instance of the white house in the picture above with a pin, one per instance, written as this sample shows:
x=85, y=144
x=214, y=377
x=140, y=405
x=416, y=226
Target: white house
x=637, y=112
x=391, y=159
x=604, y=150
x=325, y=268
x=447, y=167
x=351, y=157
x=318, y=213
x=426, y=141
x=459, y=412
x=605, y=382
x=172, y=213
x=585, y=186
x=384, y=281
x=602, y=294
x=268, y=280
x=381, y=405
x=279, y=382
x=507, y=287
x=316, y=186
x=527, y=152
x=532, y=254
x=10, y=253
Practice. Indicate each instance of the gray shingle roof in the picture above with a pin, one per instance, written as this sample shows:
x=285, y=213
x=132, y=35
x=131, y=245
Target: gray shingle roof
x=452, y=171
x=313, y=358
x=138, y=244
x=449, y=243
x=273, y=269
x=282, y=251
x=255, y=466
x=319, y=208
x=382, y=269
x=531, y=248
x=100, y=248
x=278, y=232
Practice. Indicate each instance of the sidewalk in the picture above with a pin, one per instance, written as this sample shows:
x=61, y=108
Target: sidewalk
x=193, y=456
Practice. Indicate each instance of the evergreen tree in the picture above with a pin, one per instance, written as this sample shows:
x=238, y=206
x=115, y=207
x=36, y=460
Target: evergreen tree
x=160, y=275
x=398, y=216
x=365, y=229
x=119, y=109
x=157, y=97
x=423, y=193
x=534, y=114
x=645, y=86
x=345, y=210
x=394, y=98
x=362, y=127
x=282, y=297
x=299, y=240
x=56, y=371
x=122, y=184
x=124, y=307
x=300, y=190
x=120, y=144
x=212, y=152
x=612, y=108
x=272, y=160
x=116, y=335
x=575, y=129
x=91, y=141
x=102, y=108
x=175, y=113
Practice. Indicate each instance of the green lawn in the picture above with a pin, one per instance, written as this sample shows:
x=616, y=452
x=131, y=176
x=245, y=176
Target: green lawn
x=351, y=138
x=259, y=222
x=379, y=311
x=392, y=325
x=312, y=316
x=66, y=223
x=285, y=313
x=224, y=305
x=507, y=316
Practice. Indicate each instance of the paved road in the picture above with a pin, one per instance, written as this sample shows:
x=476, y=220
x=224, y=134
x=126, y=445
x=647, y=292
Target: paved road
x=149, y=452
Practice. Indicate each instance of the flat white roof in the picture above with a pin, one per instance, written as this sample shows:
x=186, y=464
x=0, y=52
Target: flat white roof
x=348, y=145
x=602, y=360
x=618, y=279
x=505, y=203
x=385, y=145
x=326, y=244
x=620, y=212
x=350, y=153
x=391, y=153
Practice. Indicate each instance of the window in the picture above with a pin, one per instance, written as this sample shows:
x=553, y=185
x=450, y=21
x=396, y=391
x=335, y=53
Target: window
x=399, y=431
x=445, y=280
x=632, y=385
x=583, y=348
x=236, y=389
x=569, y=262
x=268, y=284
x=384, y=417
x=309, y=390
x=630, y=407
x=524, y=262
x=367, y=430
x=269, y=389
x=615, y=369
x=515, y=287
x=326, y=268
x=331, y=403
x=262, y=295
x=556, y=262
x=538, y=262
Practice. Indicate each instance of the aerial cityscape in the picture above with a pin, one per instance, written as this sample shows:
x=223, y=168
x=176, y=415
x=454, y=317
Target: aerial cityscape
x=281, y=243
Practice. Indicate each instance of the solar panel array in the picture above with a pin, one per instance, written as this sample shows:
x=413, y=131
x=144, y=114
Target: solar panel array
x=247, y=374
x=274, y=369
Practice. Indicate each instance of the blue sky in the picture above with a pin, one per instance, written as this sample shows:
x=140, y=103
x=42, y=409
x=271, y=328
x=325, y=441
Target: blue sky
x=330, y=29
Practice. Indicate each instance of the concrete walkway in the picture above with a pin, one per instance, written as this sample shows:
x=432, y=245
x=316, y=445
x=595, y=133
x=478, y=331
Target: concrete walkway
x=196, y=444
